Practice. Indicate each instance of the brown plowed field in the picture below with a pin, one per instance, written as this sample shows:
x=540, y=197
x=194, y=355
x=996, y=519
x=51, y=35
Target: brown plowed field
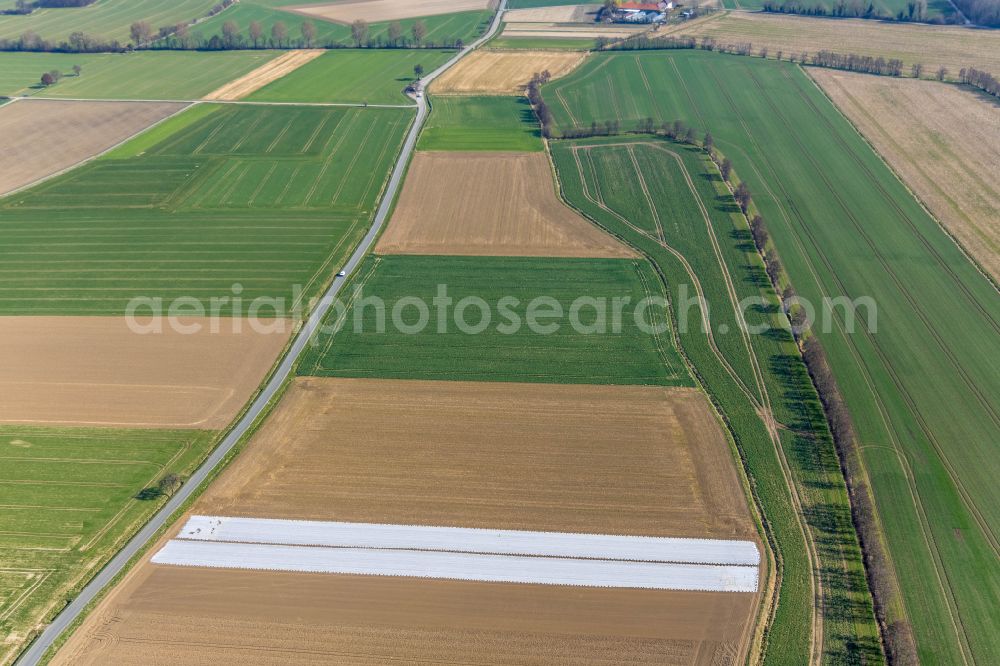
x=387, y=10
x=181, y=615
x=945, y=143
x=504, y=72
x=94, y=371
x=596, y=459
x=40, y=138
x=489, y=204
x=272, y=71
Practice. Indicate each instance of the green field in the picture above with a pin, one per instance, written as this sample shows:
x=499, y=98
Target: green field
x=529, y=4
x=266, y=197
x=71, y=497
x=144, y=75
x=648, y=192
x=924, y=390
x=535, y=43
x=354, y=75
x=889, y=8
x=518, y=354
x=108, y=19
x=442, y=29
x=481, y=123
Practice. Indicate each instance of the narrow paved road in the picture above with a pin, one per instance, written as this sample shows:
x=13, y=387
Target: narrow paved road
x=35, y=652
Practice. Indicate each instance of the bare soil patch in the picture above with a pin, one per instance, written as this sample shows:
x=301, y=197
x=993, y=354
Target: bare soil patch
x=197, y=616
x=265, y=74
x=41, y=138
x=489, y=204
x=504, y=72
x=954, y=47
x=627, y=460
x=614, y=31
x=94, y=371
x=558, y=14
x=945, y=143
x=388, y=10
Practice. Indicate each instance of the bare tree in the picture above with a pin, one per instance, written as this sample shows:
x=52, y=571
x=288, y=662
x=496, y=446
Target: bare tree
x=308, y=33
x=917, y=69
x=418, y=71
x=419, y=31
x=395, y=33
x=359, y=32
x=726, y=168
x=77, y=70
x=279, y=33
x=141, y=32
x=708, y=142
x=256, y=32
x=230, y=33
x=942, y=73
x=47, y=79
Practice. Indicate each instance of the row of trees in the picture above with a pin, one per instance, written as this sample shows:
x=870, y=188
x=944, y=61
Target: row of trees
x=51, y=78
x=980, y=79
x=981, y=12
x=542, y=111
x=858, y=63
x=23, y=7
x=916, y=10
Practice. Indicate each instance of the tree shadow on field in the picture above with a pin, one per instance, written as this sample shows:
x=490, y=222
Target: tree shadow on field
x=528, y=116
x=149, y=494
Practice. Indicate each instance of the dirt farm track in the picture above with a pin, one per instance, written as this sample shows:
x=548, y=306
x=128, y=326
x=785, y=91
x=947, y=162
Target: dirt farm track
x=39, y=138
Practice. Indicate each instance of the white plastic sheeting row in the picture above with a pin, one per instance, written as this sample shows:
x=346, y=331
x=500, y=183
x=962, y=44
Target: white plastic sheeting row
x=466, y=540
x=460, y=566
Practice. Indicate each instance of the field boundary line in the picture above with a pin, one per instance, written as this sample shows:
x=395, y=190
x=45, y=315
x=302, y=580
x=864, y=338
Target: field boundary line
x=360, y=105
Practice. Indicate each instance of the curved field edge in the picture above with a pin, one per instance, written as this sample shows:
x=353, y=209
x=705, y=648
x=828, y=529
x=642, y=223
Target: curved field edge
x=809, y=184
x=802, y=455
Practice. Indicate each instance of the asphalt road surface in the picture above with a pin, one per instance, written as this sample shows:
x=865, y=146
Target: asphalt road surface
x=61, y=623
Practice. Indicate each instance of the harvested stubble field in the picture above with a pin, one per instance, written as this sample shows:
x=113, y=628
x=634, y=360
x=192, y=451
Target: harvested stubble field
x=94, y=371
x=491, y=455
x=108, y=19
x=954, y=47
x=501, y=346
x=844, y=225
x=354, y=75
x=203, y=616
x=481, y=123
x=503, y=72
x=144, y=75
x=69, y=502
x=648, y=191
x=943, y=140
x=263, y=75
x=39, y=138
x=373, y=11
x=555, y=14
x=195, y=214
x=490, y=204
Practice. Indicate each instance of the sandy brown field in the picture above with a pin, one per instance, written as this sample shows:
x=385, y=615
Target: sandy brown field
x=489, y=204
x=260, y=77
x=945, y=143
x=504, y=72
x=40, y=138
x=594, y=31
x=387, y=10
x=594, y=459
x=559, y=14
x=93, y=371
x=952, y=46
x=197, y=616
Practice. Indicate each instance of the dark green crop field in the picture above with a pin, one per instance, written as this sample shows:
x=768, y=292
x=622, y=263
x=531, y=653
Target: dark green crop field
x=888, y=8
x=441, y=29
x=923, y=383
x=70, y=499
x=354, y=75
x=509, y=347
x=481, y=123
x=266, y=198
x=670, y=202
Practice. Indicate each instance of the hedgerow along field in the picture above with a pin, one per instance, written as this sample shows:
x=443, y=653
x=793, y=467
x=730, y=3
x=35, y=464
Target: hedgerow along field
x=161, y=75
x=502, y=351
x=71, y=498
x=888, y=8
x=108, y=19
x=923, y=390
x=261, y=197
x=442, y=29
x=355, y=76
x=670, y=203
x=481, y=123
